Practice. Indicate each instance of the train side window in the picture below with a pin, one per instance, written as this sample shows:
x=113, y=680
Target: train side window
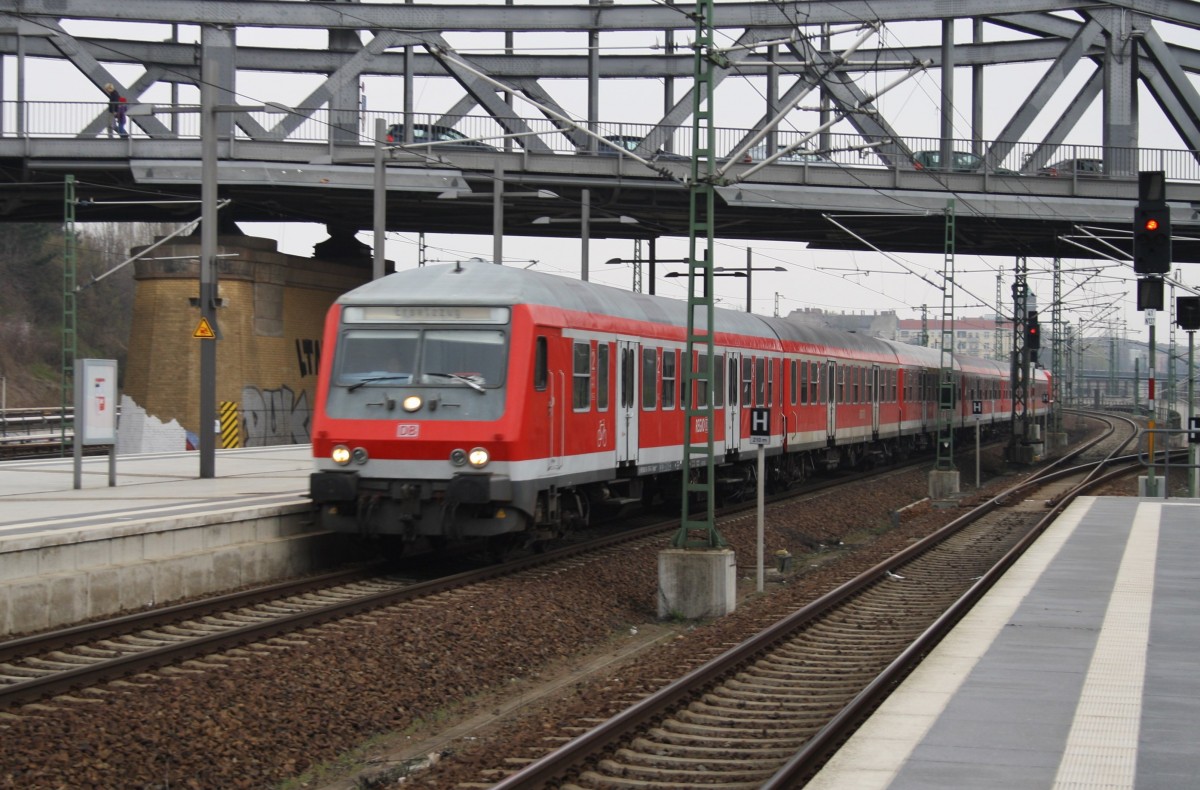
x=760, y=375
x=818, y=392
x=582, y=379
x=733, y=382
x=694, y=385
x=649, y=378
x=702, y=372
x=718, y=387
x=747, y=381
x=803, y=381
x=540, y=364
x=841, y=385
x=668, y=378
x=855, y=377
x=793, y=379
x=602, y=376
x=626, y=361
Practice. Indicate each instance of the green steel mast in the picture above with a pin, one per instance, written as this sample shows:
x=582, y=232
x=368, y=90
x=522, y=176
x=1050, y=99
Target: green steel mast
x=69, y=340
x=946, y=393
x=698, y=523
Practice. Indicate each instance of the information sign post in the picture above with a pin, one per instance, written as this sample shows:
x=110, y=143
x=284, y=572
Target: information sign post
x=760, y=434
x=977, y=411
x=95, y=412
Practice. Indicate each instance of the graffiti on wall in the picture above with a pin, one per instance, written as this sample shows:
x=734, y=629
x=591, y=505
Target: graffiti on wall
x=308, y=356
x=279, y=416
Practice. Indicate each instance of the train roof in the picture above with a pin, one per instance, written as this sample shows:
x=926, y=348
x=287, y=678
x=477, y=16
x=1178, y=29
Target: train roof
x=484, y=283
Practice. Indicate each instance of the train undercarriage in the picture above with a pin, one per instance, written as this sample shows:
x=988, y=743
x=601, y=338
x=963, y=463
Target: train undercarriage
x=507, y=516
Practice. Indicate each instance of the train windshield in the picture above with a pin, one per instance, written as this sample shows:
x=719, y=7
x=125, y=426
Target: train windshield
x=472, y=358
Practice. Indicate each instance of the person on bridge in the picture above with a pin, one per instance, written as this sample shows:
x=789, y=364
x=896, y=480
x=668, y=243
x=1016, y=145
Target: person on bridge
x=114, y=104
x=122, y=110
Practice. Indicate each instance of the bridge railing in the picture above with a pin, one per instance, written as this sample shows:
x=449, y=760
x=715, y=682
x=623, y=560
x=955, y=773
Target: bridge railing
x=344, y=127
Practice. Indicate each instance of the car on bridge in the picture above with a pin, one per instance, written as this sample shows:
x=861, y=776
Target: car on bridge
x=960, y=162
x=801, y=156
x=1078, y=168
x=436, y=137
x=630, y=143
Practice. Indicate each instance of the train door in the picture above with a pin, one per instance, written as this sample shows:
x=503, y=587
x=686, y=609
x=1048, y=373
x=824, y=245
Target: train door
x=831, y=371
x=554, y=381
x=925, y=388
x=628, y=353
x=733, y=412
x=874, y=394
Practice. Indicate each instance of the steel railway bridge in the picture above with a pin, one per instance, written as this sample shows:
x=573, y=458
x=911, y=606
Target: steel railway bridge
x=859, y=180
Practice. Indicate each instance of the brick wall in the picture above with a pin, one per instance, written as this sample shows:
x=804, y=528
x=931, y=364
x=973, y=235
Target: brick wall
x=270, y=327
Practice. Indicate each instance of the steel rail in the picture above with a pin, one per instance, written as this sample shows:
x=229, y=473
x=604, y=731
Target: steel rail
x=132, y=663
x=602, y=737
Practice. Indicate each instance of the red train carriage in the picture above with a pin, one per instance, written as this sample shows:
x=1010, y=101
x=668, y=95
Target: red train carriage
x=474, y=400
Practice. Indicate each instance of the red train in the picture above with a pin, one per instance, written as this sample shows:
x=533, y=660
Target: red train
x=475, y=400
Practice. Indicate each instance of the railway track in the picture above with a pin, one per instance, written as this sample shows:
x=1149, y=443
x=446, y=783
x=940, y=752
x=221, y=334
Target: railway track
x=42, y=666
x=768, y=712
x=282, y=704
x=39, y=433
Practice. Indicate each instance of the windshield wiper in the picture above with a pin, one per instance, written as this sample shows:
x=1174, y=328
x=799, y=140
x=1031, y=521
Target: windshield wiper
x=372, y=379
x=472, y=384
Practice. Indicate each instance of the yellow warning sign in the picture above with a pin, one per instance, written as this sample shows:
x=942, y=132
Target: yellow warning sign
x=204, y=330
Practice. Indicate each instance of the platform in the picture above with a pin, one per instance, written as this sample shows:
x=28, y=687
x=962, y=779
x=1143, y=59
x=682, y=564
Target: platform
x=160, y=534
x=1077, y=671
x=39, y=494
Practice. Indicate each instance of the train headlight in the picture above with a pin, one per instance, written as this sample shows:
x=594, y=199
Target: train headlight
x=340, y=455
x=359, y=455
x=412, y=403
x=458, y=457
x=479, y=457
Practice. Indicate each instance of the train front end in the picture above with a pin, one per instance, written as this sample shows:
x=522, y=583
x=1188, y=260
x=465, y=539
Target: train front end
x=410, y=435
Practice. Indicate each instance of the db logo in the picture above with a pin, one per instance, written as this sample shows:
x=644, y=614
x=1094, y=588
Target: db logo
x=407, y=431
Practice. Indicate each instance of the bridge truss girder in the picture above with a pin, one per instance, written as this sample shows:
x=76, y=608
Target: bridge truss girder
x=1119, y=39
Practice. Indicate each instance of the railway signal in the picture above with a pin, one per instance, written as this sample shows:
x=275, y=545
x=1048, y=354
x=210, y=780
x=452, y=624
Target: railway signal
x=1150, y=293
x=1151, y=239
x=1187, y=312
x=1151, y=225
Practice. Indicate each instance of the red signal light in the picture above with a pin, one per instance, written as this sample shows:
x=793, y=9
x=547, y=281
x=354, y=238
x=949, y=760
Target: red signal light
x=1151, y=224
